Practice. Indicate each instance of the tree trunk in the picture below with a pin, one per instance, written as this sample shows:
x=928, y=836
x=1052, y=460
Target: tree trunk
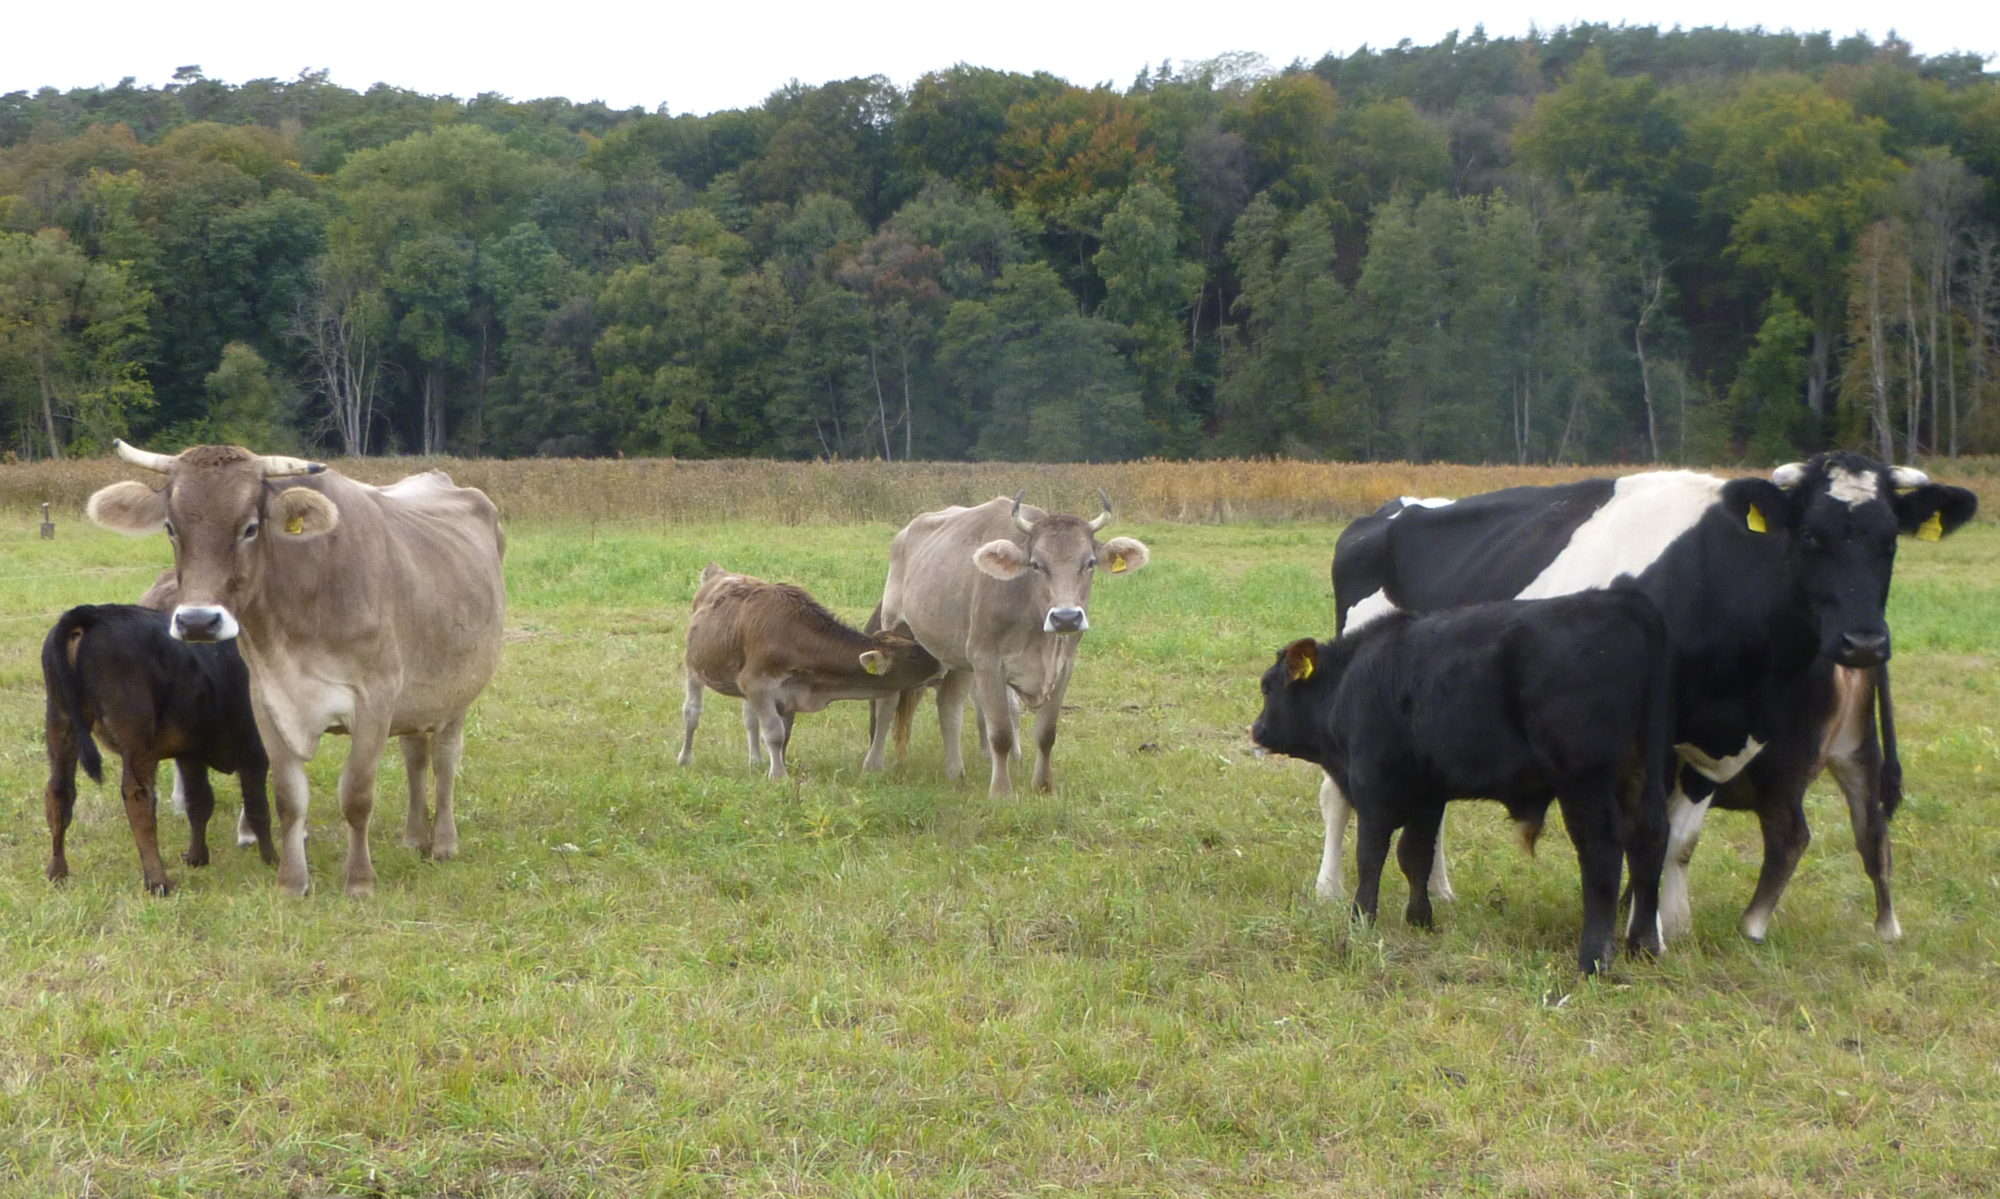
x=48, y=391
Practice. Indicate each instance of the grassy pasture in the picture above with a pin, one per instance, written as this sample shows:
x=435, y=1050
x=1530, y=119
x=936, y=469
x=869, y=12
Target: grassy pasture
x=647, y=979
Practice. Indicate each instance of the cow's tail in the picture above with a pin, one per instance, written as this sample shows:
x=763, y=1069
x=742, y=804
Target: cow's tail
x=65, y=685
x=1892, y=765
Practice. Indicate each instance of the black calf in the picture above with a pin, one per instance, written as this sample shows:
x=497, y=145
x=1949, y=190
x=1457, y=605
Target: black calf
x=113, y=669
x=1524, y=702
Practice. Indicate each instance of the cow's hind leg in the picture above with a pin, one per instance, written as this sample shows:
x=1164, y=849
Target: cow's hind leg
x=59, y=797
x=1590, y=815
x=137, y=786
x=690, y=718
x=369, y=737
x=1684, y=821
x=991, y=688
x=447, y=750
x=417, y=774
x=753, y=733
x=1371, y=850
x=1415, y=853
x=198, y=801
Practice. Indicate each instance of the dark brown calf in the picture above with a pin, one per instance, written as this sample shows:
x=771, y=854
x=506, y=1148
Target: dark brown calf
x=778, y=650
x=113, y=670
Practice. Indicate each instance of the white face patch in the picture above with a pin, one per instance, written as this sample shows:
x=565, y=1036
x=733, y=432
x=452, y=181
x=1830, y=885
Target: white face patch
x=1851, y=489
x=1635, y=526
x=1719, y=770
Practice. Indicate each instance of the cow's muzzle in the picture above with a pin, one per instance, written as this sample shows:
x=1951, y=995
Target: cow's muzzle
x=1863, y=649
x=203, y=622
x=1065, y=620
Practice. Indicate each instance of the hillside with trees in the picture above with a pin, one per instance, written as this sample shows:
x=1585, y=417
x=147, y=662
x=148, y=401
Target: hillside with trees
x=1606, y=243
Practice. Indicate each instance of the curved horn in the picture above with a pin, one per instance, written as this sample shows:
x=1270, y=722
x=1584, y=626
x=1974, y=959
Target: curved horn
x=1104, y=517
x=1907, y=476
x=1788, y=475
x=277, y=466
x=1026, y=526
x=143, y=458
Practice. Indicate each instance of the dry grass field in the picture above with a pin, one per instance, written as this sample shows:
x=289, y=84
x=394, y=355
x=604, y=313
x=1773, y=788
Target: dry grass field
x=648, y=979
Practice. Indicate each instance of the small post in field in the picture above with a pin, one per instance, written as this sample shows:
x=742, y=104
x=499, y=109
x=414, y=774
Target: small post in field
x=48, y=526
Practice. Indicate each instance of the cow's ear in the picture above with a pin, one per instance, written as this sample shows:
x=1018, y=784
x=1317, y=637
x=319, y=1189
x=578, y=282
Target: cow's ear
x=303, y=512
x=131, y=508
x=1122, y=555
x=1001, y=558
x=1933, y=510
x=1301, y=659
x=1756, y=504
x=874, y=661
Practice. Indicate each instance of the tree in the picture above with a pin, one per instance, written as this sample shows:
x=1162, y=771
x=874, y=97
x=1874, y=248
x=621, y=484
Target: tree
x=70, y=327
x=249, y=405
x=1149, y=287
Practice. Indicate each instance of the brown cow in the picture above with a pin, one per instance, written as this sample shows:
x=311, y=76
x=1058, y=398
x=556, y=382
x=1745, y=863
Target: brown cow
x=778, y=650
x=374, y=611
x=997, y=593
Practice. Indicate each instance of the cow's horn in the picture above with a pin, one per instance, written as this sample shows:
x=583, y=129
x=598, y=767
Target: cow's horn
x=1104, y=517
x=1789, y=474
x=1907, y=476
x=1024, y=525
x=277, y=466
x=145, y=458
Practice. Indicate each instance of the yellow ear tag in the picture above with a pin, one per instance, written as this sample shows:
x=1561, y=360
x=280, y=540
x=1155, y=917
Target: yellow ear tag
x=1931, y=530
x=875, y=664
x=296, y=525
x=1302, y=670
x=1755, y=520
x=1118, y=564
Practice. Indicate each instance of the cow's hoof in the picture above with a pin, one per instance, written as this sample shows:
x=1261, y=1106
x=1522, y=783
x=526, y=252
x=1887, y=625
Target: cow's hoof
x=1889, y=928
x=192, y=858
x=58, y=872
x=361, y=889
x=161, y=887
x=1327, y=890
x=442, y=851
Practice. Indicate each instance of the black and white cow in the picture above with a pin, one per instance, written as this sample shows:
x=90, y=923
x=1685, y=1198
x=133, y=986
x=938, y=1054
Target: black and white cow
x=1565, y=700
x=1773, y=593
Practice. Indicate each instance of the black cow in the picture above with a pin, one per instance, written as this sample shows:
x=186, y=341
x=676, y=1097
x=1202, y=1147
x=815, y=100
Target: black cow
x=1564, y=699
x=114, y=669
x=1773, y=594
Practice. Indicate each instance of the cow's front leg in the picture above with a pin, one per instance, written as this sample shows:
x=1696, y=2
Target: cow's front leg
x=198, y=801
x=881, y=716
x=1046, y=719
x=417, y=773
x=253, y=822
x=369, y=737
x=288, y=787
x=137, y=788
x=1371, y=850
x=1415, y=853
x=1860, y=781
x=772, y=723
x=989, y=684
x=753, y=733
x=1782, y=814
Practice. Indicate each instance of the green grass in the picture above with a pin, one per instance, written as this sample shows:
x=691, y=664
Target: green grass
x=647, y=979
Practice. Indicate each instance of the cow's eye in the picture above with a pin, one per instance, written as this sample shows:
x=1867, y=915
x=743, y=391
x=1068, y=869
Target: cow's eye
x=1036, y=564
x=1090, y=564
x=250, y=531
x=171, y=531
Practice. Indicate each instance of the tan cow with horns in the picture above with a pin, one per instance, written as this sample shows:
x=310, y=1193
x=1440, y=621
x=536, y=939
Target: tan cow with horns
x=997, y=592
x=373, y=611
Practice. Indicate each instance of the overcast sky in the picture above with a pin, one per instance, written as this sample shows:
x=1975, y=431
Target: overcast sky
x=696, y=58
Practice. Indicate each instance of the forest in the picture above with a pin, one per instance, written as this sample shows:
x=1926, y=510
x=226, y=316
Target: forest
x=1601, y=244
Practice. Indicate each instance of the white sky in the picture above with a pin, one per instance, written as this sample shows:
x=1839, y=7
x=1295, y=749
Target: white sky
x=697, y=58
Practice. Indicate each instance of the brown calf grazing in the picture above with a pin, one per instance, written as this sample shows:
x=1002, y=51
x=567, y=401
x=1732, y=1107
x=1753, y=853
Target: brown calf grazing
x=112, y=669
x=778, y=650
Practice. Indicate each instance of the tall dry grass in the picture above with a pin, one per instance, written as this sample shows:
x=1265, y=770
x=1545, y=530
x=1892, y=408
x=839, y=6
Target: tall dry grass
x=792, y=493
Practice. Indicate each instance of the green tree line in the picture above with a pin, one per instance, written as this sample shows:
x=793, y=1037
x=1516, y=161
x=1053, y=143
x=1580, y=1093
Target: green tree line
x=1607, y=243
